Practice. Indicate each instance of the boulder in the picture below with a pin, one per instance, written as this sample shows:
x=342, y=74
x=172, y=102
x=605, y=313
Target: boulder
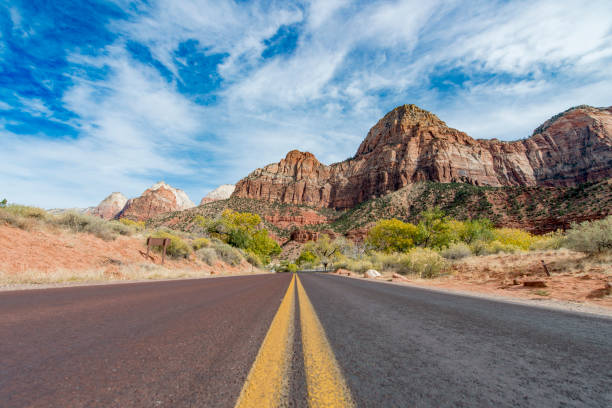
x=371, y=273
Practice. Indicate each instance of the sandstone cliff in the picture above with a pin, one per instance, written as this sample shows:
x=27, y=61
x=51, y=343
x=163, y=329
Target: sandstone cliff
x=223, y=192
x=410, y=145
x=160, y=198
x=110, y=206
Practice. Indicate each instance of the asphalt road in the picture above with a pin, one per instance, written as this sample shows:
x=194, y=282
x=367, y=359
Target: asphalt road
x=197, y=343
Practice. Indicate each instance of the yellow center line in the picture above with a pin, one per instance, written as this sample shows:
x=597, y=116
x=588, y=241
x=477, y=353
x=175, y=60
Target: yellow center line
x=325, y=384
x=268, y=382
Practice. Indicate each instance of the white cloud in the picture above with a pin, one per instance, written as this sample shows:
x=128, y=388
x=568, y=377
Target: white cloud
x=526, y=61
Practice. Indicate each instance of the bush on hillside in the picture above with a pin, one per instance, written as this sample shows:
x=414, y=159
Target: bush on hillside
x=208, y=255
x=22, y=217
x=514, y=237
x=591, y=237
x=551, y=240
x=227, y=253
x=137, y=225
x=253, y=259
x=200, y=243
x=458, y=250
x=423, y=262
x=177, y=247
x=77, y=222
x=392, y=236
x=263, y=246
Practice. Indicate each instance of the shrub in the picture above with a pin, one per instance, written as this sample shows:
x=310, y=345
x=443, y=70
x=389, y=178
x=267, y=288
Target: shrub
x=471, y=230
x=360, y=265
x=551, y=240
x=106, y=230
x=200, y=243
x=208, y=255
x=286, y=266
x=306, y=257
x=457, y=250
x=227, y=253
x=177, y=247
x=253, y=259
x=21, y=216
x=515, y=237
x=424, y=262
x=23, y=223
x=591, y=237
x=3, y=203
x=263, y=246
x=494, y=247
x=238, y=238
x=392, y=236
x=137, y=225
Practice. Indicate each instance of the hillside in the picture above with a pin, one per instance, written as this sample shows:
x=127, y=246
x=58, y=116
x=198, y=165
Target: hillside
x=536, y=209
x=410, y=145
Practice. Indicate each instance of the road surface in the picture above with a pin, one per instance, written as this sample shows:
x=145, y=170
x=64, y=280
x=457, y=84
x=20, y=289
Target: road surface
x=279, y=340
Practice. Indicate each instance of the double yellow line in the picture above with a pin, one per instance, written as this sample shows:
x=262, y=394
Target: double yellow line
x=268, y=382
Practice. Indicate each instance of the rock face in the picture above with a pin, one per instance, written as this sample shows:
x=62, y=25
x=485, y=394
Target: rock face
x=305, y=217
x=158, y=199
x=110, y=206
x=410, y=145
x=223, y=192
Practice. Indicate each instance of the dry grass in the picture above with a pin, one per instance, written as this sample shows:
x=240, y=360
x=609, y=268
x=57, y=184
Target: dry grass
x=509, y=266
x=143, y=271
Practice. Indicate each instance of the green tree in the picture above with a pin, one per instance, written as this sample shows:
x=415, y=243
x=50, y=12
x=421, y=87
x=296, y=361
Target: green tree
x=3, y=203
x=471, y=230
x=263, y=246
x=307, y=257
x=325, y=249
x=239, y=238
x=392, y=236
x=434, y=229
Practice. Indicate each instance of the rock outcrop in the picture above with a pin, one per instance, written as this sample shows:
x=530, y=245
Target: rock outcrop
x=410, y=145
x=110, y=206
x=158, y=199
x=223, y=192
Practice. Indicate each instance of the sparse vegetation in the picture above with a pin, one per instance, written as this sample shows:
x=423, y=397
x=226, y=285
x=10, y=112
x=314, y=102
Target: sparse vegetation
x=456, y=250
x=106, y=230
x=137, y=225
x=200, y=243
x=591, y=237
x=208, y=255
x=177, y=248
x=227, y=253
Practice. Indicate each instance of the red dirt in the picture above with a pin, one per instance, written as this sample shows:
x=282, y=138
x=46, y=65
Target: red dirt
x=47, y=251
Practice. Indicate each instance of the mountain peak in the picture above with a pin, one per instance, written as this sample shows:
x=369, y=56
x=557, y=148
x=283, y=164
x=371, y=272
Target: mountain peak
x=413, y=114
x=396, y=125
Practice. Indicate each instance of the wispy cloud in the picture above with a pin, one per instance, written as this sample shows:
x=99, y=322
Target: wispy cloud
x=202, y=92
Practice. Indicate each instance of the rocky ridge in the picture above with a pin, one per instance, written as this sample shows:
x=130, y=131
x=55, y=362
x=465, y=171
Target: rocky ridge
x=110, y=207
x=160, y=198
x=410, y=145
x=223, y=192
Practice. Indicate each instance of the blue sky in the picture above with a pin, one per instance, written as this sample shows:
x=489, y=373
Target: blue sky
x=102, y=96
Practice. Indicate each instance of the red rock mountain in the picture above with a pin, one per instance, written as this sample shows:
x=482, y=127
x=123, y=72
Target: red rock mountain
x=410, y=145
x=160, y=198
x=223, y=192
x=110, y=206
